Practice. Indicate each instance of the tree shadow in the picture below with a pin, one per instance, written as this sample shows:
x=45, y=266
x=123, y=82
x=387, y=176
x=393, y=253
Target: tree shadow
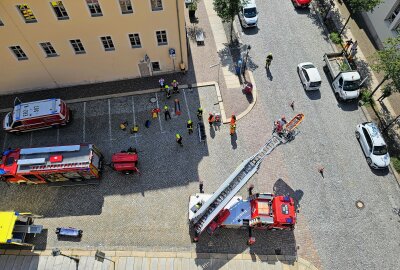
x=364, y=71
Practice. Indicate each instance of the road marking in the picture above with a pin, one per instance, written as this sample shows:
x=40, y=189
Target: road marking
x=187, y=106
x=134, y=119
x=5, y=140
x=58, y=135
x=159, y=116
x=84, y=121
x=109, y=119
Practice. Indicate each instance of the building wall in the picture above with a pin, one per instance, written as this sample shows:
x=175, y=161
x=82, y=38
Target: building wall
x=96, y=65
x=378, y=23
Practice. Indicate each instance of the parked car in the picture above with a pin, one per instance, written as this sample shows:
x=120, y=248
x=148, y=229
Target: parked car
x=373, y=145
x=309, y=76
x=301, y=3
x=248, y=15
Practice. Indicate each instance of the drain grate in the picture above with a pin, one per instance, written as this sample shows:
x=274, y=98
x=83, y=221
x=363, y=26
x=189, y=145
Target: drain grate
x=360, y=204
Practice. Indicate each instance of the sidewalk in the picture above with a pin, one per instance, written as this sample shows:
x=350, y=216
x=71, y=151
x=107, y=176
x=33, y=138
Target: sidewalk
x=124, y=260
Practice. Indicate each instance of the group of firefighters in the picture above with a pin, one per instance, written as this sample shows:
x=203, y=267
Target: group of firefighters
x=165, y=87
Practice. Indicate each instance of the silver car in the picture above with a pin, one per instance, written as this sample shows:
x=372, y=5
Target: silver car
x=309, y=76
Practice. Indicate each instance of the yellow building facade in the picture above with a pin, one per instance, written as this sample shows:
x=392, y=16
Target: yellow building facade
x=50, y=44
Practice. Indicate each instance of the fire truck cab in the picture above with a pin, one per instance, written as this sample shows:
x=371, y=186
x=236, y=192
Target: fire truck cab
x=37, y=115
x=54, y=165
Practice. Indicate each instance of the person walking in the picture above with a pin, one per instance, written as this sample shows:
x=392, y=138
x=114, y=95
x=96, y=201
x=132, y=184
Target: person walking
x=175, y=85
x=352, y=54
x=348, y=43
x=166, y=113
x=189, y=126
x=161, y=83
x=232, y=129
x=200, y=113
x=167, y=91
x=268, y=60
x=178, y=139
x=211, y=119
x=354, y=46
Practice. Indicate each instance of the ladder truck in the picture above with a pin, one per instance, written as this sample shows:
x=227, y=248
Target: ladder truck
x=260, y=211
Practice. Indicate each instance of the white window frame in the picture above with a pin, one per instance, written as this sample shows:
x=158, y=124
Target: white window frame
x=93, y=3
x=156, y=8
x=166, y=38
x=18, y=50
x=159, y=64
x=108, y=39
x=48, y=49
x=61, y=9
x=27, y=9
x=125, y=5
x=78, y=44
x=130, y=40
x=393, y=14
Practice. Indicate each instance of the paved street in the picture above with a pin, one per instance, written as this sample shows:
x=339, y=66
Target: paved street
x=341, y=234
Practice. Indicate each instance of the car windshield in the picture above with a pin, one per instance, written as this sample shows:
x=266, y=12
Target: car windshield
x=351, y=85
x=380, y=150
x=250, y=12
x=308, y=66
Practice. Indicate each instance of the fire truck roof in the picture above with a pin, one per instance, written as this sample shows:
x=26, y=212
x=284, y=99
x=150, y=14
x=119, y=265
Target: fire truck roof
x=37, y=108
x=54, y=158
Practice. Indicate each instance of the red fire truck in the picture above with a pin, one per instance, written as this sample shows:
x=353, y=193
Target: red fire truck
x=53, y=165
x=36, y=115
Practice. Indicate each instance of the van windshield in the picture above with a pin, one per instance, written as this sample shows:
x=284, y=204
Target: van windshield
x=250, y=12
x=351, y=85
x=380, y=150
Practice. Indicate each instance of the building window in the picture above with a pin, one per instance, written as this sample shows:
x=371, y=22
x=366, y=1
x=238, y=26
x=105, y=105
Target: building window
x=77, y=45
x=94, y=8
x=135, y=40
x=397, y=29
x=394, y=14
x=48, y=49
x=155, y=66
x=59, y=9
x=107, y=43
x=156, y=5
x=19, y=53
x=27, y=13
x=162, y=37
x=126, y=6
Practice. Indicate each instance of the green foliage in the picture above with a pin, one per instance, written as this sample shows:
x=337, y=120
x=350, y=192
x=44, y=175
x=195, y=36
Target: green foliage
x=396, y=163
x=366, y=96
x=344, y=67
x=388, y=62
x=193, y=5
x=228, y=9
x=363, y=5
x=335, y=37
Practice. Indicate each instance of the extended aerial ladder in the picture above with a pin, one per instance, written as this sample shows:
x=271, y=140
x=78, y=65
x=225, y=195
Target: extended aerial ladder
x=205, y=212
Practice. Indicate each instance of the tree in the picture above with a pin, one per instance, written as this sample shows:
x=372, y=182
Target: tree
x=388, y=62
x=227, y=10
x=359, y=6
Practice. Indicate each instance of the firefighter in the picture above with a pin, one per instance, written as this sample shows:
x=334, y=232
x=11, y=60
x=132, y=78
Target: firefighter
x=167, y=91
x=189, y=126
x=123, y=125
x=200, y=113
x=161, y=83
x=179, y=139
x=175, y=86
x=211, y=119
x=268, y=60
x=166, y=112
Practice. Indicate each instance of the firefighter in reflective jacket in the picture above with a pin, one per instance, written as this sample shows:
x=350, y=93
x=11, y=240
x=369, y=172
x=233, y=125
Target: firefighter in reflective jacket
x=189, y=126
x=232, y=129
x=200, y=113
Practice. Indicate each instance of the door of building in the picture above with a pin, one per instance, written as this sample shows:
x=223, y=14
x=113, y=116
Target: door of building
x=144, y=69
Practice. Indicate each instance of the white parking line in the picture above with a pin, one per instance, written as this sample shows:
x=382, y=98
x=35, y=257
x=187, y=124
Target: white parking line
x=187, y=106
x=109, y=118
x=84, y=122
x=134, y=119
x=159, y=116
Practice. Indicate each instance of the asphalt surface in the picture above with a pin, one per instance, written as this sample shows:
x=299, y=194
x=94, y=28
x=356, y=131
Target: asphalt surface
x=343, y=236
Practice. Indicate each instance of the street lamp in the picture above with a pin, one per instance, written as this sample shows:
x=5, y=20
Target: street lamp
x=56, y=252
x=247, y=57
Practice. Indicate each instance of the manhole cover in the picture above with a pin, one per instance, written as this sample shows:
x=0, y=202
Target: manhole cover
x=153, y=100
x=360, y=204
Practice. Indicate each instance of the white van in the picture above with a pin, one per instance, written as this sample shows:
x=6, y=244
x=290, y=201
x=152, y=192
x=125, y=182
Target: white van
x=248, y=15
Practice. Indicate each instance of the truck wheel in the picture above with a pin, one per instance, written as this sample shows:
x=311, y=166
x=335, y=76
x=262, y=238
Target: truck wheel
x=357, y=135
x=369, y=161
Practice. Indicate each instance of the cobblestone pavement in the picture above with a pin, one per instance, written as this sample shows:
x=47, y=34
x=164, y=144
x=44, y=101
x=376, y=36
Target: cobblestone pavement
x=330, y=226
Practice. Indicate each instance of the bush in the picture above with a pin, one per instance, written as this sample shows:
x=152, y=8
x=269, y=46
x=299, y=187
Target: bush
x=366, y=96
x=335, y=37
x=396, y=163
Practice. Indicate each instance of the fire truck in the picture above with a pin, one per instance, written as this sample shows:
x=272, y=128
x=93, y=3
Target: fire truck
x=15, y=227
x=53, y=165
x=208, y=212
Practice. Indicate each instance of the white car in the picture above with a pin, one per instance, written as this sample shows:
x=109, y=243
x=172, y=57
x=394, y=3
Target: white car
x=309, y=76
x=373, y=145
x=248, y=15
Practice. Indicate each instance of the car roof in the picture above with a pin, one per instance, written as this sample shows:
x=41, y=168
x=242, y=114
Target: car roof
x=312, y=72
x=376, y=135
